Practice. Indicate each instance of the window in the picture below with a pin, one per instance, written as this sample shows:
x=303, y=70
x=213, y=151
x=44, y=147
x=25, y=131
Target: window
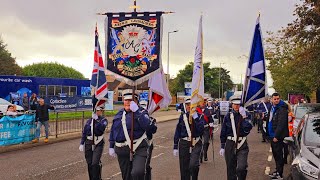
x=57, y=90
x=42, y=90
x=73, y=91
x=50, y=91
x=65, y=90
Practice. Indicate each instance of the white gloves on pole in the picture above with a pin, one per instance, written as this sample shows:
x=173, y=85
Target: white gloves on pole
x=94, y=116
x=195, y=115
x=242, y=111
x=133, y=106
x=211, y=124
x=221, y=152
x=175, y=152
x=81, y=147
x=112, y=153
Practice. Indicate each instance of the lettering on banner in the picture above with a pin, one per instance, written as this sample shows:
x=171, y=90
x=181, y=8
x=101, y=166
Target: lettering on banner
x=1, y=126
x=5, y=135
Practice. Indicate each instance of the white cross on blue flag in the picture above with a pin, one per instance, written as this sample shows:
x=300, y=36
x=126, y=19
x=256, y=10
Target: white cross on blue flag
x=255, y=84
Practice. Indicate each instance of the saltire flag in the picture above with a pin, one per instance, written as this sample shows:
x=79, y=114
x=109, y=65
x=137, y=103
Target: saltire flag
x=99, y=86
x=255, y=84
x=160, y=96
x=197, y=84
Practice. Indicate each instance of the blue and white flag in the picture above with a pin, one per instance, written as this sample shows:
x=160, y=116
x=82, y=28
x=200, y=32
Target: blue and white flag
x=255, y=84
x=98, y=82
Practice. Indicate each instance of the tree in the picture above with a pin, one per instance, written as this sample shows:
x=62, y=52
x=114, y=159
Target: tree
x=8, y=63
x=211, y=79
x=53, y=70
x=294, y=51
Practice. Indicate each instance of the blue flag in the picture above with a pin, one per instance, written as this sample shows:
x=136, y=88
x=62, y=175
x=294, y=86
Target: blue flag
x=255, y=84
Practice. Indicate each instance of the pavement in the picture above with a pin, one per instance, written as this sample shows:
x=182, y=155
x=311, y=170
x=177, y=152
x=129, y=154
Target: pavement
x=63, y=160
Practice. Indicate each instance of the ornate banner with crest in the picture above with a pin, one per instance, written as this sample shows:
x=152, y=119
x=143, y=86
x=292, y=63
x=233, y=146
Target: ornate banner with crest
x=133, y=45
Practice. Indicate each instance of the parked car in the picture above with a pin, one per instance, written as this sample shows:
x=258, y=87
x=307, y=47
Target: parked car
x=306, y=148
x=4, y=106
x=302, y=109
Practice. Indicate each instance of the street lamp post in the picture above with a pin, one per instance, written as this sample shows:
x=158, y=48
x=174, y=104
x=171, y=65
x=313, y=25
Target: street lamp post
x=168, y=76
x=220, y=81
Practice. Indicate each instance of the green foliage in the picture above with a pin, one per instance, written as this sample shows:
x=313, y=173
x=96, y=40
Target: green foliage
x=211, y=79
x=8, y=63
x=53, y=70
x=294, y=52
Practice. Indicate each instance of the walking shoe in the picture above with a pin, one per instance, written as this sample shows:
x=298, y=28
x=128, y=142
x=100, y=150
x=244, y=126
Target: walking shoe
x=35, y=140
x=273, y=174
x=46, y=140
x=277, y=176
x=206, y=159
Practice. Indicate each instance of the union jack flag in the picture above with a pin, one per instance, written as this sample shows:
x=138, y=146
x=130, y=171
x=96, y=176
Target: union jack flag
x=98, y=82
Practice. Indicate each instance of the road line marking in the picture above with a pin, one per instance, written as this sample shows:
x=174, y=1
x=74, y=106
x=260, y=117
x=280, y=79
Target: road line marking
x=116, y=174
x=270, y=158
x=270, y=150
x=157, y=155
x=267, y=170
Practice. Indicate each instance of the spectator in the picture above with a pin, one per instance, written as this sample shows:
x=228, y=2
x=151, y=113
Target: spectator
x=25, y=102
x=11, y=111
x=42, y=118
x=278, y=130
x=33, y=102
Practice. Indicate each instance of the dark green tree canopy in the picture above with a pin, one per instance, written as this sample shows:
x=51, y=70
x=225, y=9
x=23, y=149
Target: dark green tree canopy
x=8, y=63
x=211, y=79
x=53, y=70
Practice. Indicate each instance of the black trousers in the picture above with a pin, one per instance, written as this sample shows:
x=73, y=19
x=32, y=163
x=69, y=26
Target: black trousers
x=93, y=159
x=136, y=169
x=237, y=163
x=206, y=143
x=277, y=151
x=148, y=168
x=189, y=162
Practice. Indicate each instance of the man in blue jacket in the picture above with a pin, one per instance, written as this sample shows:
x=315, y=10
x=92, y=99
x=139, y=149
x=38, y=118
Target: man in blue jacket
x=93, y=145
x=120, y=141
x=277, y=131
x=235, y=128
x=188, y=136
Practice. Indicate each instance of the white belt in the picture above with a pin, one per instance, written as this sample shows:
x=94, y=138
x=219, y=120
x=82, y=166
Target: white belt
x=195, y=140
x=136, y=142
x=241, y=139
x=98, y=139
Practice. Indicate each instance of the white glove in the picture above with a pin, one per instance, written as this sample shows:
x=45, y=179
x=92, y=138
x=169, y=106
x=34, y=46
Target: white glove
x=175, y=152
x=133, y=106
x=111, y=152
x=242, y=111
x=81, y=147
x=94, y=116
x=221, y=152
x=195, y=115
x=211, y=124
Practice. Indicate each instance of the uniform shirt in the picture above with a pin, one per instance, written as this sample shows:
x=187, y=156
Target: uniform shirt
x=100, y=125
x=142, y=124
x=209, y=111
x=226, y=129
x=181, y=130
x=262, y=109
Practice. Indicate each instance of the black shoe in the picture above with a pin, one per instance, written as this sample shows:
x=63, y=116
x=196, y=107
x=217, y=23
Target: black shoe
x=273, y=174
x=277, y=176
x=285, y=161
x=263, y=141
x=201, y=160
x=205, y=159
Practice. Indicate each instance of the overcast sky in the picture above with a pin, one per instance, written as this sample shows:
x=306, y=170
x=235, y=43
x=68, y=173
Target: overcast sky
x=63, y=30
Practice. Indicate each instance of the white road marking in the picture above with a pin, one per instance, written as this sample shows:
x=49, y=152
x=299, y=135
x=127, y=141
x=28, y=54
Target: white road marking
x=270, y=158
x=157, y=155
x=270, y=150
x=267, y=170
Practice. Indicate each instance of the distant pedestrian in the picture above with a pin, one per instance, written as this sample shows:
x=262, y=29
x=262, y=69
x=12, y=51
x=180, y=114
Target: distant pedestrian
x=25, y=102
x=278, y=130
x=33, y=102
x=42, y=118
x=94, y=147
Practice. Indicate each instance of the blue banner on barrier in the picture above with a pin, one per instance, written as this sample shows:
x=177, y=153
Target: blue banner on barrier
x=15, y=130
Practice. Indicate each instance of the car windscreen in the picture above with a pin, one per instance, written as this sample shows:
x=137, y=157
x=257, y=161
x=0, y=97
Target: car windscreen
x=4, y=102
x=312, y=132
x=303, y=110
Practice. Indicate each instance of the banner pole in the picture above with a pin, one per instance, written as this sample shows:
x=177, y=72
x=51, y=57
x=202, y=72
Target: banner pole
x=132, y=126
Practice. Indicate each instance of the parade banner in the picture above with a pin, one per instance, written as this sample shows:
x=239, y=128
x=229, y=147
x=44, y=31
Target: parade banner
x=133, y=46
x=16, y=130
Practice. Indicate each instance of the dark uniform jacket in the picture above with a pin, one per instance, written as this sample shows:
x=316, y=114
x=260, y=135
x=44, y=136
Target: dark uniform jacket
x=100, y=125
x=142, y=124
x=181, y=130
x=226, y=129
